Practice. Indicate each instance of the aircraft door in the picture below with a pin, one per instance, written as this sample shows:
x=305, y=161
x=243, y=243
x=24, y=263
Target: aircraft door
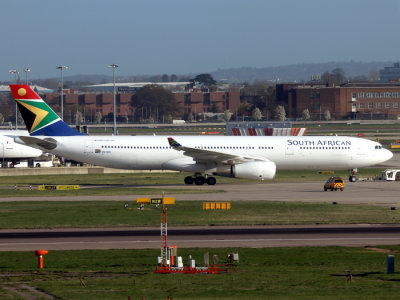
x=88, y=147
x=10, y=145
x=360, y=150
x=289, y=150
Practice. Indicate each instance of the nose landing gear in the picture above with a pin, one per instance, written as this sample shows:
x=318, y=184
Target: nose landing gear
x=197, y=179
x=353, y=177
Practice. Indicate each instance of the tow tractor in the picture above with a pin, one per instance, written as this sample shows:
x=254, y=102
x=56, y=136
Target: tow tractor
x=391, y=175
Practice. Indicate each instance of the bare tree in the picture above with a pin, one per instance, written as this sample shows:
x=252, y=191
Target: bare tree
x=168, y=118
x=227, y=115
x=280, y=113
x=305, y=115
x=327, y=115
x=78, y=117
x=337, y=76
x=373, y=76
x=98, y=117
x=256, y=114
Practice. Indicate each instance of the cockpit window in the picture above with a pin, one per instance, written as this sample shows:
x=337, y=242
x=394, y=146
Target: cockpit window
x=378, y=147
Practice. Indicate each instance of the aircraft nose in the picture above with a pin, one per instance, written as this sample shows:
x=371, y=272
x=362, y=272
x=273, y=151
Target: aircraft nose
x=388, y=154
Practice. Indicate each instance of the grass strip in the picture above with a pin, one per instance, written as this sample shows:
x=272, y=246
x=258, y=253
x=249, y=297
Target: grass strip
x=267, y=273
x=65, y=214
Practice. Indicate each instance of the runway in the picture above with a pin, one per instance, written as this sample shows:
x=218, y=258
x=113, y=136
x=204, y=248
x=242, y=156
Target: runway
x=204, y=237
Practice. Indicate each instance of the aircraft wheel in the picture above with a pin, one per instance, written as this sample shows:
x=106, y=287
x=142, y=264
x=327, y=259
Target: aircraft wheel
x=189, y=180
x=211, y=180
x=325, y=189
x=200, y=180
x=352, y=178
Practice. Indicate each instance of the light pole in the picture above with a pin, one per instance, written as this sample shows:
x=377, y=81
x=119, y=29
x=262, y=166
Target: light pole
x=16, y=77
x=26, y=70
x=61, y=68
x=320, y=118
x=114, y=66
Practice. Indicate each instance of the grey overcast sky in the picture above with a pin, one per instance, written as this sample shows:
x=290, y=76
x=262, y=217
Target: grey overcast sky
x=184, y=36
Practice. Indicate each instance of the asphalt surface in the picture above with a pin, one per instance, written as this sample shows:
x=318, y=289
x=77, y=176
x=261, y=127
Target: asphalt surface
x=380, y=193
x=370, y=193
x=255, y=237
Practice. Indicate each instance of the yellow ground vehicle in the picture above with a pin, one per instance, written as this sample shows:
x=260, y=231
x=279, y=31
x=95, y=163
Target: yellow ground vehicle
x=334, y=183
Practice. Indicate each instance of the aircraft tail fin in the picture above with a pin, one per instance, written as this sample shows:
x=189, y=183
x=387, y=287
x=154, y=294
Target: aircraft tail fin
x=39, y=118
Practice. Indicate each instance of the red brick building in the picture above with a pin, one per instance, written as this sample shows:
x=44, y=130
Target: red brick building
x=351, y=100
x=201, y=102
x=188, y=103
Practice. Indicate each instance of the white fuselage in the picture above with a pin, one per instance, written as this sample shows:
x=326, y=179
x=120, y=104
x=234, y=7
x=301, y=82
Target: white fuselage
x=10, y=151
x=287, y=152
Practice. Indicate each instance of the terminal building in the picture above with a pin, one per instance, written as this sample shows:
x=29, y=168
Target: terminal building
x=378, y=100
x=126, y=87
x=36, y=88
x=189, y=102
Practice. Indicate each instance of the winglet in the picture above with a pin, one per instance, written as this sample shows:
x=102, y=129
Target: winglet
x=173, y=143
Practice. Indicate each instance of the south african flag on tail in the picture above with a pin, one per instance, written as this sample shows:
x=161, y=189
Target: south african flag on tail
x=39, y=118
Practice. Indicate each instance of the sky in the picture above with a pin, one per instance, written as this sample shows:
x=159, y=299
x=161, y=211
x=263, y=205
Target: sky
x=184, y=36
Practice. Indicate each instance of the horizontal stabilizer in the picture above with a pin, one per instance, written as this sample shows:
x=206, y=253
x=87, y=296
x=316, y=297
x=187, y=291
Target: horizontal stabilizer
x=47, y=143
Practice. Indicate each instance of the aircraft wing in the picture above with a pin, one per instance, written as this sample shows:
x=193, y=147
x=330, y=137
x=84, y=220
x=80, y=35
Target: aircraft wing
x=47, y=143
x=202, y=155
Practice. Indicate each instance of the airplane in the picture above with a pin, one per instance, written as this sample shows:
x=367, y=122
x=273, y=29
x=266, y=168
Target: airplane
x=14, y=152
x=250, y=157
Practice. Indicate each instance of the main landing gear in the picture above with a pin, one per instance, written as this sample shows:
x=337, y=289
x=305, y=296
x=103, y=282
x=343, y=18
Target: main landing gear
x=200, y=180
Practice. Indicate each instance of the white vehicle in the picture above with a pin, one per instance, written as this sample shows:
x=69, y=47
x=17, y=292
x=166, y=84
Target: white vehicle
x=391, y=175
x=253, y=157
x=14, y=152
x=178, y=121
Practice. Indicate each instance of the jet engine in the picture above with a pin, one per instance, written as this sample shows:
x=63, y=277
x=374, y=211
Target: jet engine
x=249, y=170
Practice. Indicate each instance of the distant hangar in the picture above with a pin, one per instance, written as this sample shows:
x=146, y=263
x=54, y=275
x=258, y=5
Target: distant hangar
x=133, y=86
